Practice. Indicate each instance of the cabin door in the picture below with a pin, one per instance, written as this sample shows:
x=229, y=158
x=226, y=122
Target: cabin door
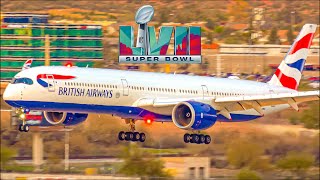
x=205, y=91
x=51, y=85
x=125, y=87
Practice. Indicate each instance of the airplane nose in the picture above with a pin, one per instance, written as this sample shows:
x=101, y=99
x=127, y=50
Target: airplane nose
x=11, y=93
x=6, y=94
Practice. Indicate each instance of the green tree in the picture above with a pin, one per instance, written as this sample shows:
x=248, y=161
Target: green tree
x=164, y=16
x=242, y=153
x=310, y=117
x=6, y=155
x=239, y=9
x=138, y=162
x=218, y=29
x=246, y=174
x=296, y=162
x=210, y=24
x=273, y=37
x=290, y=35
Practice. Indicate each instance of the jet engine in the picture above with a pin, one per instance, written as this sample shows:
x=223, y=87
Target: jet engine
x=191, y=115
x=64, y=118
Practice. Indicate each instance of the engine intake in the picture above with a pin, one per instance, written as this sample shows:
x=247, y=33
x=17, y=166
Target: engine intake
x=64, y=118
x=193, y=115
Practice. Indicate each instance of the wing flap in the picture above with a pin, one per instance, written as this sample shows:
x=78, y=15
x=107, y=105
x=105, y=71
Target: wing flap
x=258, y=101
x=225, y=105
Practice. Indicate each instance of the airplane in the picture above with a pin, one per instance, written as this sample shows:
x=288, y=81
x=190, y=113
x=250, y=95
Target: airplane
x=66, y=94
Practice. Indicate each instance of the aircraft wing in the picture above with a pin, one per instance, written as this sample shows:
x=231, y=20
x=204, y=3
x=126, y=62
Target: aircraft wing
x=225, y=105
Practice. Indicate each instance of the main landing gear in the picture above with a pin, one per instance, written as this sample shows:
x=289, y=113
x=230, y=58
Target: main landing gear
x=197, y=138
x=132, y=135
x=24, y=127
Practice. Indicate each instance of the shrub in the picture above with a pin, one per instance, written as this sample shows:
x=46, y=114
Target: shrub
x=246, y=174
x=242, y=153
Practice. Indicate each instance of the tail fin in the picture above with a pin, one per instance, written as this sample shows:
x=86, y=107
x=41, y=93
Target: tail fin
x=27, y=64
x=289, y=71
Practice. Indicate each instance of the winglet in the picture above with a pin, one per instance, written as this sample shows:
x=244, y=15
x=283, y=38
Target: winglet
x=27, y=64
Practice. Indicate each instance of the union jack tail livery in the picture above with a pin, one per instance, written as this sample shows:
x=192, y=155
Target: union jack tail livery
x=289, y=71
x=27, y=64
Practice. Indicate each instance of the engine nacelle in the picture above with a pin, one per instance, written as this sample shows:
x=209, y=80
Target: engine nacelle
x=64, y=118
x=191, y=115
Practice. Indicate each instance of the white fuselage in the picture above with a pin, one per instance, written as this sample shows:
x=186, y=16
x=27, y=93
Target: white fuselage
x=115, y=91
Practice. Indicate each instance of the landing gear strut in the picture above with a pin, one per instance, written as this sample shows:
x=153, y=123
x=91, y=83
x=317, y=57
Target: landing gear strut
x=197, y=138
x=24, y=127
x=131, y=135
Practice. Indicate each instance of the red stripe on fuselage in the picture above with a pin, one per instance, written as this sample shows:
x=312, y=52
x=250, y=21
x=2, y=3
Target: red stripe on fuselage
x=55, y=76
x=304, y=42
x=286, y=81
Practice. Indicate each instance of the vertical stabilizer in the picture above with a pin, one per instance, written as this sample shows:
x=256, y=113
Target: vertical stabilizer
x=290, y=69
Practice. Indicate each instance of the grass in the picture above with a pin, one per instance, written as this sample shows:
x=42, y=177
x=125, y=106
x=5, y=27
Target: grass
x=18, y=168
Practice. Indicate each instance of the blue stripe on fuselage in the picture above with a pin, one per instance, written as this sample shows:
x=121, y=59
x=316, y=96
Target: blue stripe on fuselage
x=121, y=111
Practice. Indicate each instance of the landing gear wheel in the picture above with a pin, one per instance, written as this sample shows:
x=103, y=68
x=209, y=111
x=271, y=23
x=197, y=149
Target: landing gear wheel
x=142, y=137
x=20, y=128
x=136, y=136
x=26, y=128
x=195, y=138
x=207, y=139
x=121, y=136
x=129, y=136
x=186, y=138
x=202, y=139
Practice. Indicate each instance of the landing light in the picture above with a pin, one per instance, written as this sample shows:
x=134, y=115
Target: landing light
x=22, y=116
x=148, y=119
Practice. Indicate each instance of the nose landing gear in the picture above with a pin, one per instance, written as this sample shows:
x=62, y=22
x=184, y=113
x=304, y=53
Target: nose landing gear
x=24, y=127
x=131, y=135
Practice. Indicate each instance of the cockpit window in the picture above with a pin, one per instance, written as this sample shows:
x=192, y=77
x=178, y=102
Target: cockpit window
x=21, y=80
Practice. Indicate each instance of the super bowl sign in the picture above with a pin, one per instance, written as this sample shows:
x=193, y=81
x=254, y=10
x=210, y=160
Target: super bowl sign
x=149, y=49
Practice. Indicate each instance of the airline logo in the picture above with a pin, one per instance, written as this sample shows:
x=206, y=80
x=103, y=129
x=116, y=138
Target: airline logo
x=27, y=64
x=45, y=79
x=290, y=70
x=149, y=49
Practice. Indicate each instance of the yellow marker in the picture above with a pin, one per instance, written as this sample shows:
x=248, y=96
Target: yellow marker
x=167, y=68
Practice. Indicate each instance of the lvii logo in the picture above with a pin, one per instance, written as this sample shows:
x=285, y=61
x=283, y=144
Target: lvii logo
x=187, y=42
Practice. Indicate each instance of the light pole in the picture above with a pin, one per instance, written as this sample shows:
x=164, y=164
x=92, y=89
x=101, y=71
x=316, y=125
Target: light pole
x=66, y=150
x=292, y=20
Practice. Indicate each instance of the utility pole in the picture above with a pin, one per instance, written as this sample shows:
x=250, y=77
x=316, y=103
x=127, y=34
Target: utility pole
x=66, y=150
x=47, y=50
x=218, y=65
x=292, y=20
